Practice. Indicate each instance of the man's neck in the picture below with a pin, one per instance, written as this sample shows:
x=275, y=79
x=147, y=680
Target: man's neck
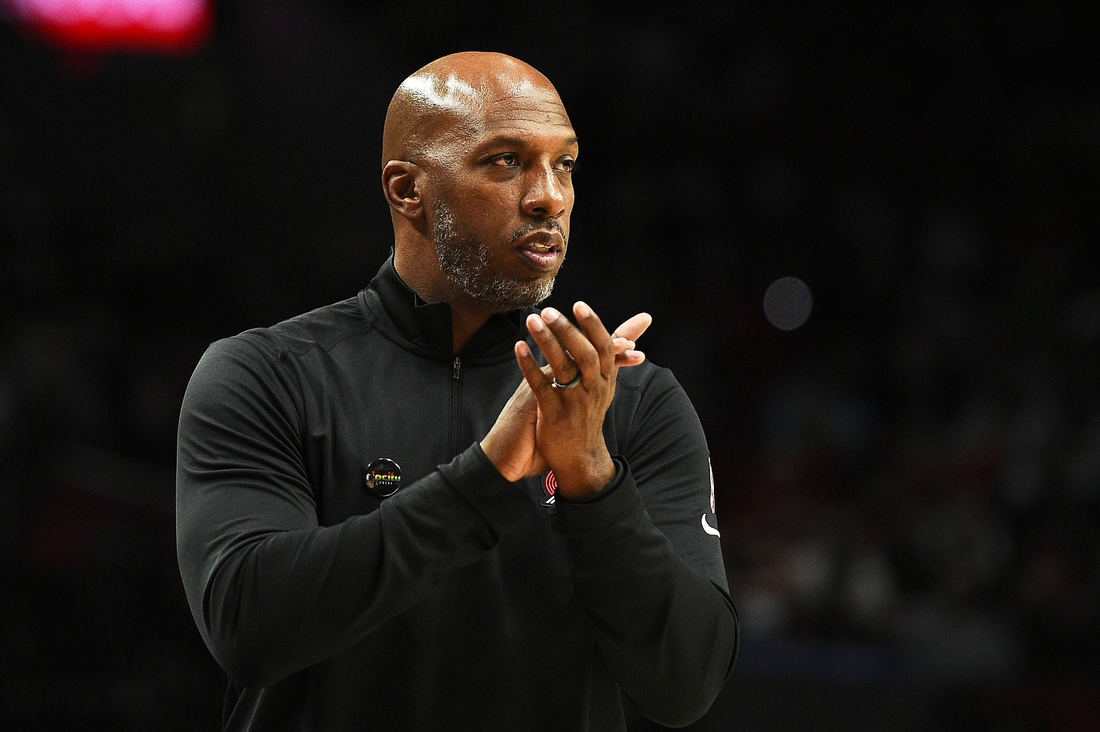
x=465, y=323
x=467, y=314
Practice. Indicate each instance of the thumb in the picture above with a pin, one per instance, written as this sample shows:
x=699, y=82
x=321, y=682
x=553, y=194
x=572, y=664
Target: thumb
x=633, y=328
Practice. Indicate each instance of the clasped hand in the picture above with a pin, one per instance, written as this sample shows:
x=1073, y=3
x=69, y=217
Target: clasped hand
x=546, y=427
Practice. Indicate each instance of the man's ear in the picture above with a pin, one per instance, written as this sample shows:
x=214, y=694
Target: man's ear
x=400, y=184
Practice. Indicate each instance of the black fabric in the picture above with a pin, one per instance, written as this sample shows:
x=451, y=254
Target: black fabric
x=463, y=600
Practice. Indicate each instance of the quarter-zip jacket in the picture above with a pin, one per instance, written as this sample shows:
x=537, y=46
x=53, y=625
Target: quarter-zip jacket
x=462, y=601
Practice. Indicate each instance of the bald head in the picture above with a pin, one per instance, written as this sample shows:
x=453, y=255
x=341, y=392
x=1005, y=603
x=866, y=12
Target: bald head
x=445, y=101
x=477, y=163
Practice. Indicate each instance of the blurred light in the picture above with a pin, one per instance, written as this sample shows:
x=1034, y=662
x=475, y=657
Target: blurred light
x=787, y=303
x=155, y=26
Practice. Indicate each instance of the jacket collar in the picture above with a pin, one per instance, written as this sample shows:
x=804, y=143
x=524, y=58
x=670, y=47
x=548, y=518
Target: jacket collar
x=423, y=327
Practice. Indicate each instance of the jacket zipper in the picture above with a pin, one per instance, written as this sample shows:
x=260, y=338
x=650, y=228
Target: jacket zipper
x=456, y=376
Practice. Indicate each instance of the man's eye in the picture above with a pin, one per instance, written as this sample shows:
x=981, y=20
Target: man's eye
x=508, y=159
x=568, y=164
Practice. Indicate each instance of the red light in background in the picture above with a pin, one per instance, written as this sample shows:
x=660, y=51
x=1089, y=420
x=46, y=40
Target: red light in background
x=156, y=26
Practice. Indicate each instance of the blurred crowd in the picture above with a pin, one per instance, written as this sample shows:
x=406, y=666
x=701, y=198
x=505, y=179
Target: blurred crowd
x=908, y=484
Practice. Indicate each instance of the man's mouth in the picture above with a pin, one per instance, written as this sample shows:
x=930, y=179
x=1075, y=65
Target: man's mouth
x=542, y=249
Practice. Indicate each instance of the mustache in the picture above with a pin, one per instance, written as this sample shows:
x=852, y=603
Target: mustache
x=544, y=225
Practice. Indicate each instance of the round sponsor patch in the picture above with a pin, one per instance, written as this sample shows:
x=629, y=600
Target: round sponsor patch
x=383, y=477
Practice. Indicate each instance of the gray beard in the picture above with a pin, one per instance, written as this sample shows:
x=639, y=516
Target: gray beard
x=465, y=262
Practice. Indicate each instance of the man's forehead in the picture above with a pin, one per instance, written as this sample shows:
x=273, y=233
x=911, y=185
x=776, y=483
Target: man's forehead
x=522, y=105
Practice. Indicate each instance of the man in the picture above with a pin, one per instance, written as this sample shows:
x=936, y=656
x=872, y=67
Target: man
x=384, y=524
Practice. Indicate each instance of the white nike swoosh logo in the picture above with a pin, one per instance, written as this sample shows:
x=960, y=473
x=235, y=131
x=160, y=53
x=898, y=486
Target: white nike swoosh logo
x=707, y=527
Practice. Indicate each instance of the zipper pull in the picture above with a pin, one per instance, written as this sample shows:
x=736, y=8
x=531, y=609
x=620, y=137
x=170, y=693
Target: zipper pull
x=456, y=368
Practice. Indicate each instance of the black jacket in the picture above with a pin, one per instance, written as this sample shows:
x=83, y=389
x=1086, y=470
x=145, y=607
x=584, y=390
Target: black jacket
x=462, y=601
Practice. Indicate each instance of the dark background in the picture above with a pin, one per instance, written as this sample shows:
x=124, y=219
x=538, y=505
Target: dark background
x=908, y=484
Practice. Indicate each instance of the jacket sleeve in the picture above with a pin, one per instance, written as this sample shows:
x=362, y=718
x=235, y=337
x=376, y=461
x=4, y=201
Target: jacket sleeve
x=649, y=574
x=271, y=591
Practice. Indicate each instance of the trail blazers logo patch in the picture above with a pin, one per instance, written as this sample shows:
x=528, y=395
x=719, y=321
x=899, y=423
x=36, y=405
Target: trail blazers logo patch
x=550, y=488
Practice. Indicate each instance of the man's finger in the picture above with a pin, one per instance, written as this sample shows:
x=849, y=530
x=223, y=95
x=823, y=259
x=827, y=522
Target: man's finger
x=624, y=337
x=633, y=328
x=629, y=357
x=536, y=378
x=560, y=361
x=622, y=344
x=577, y=344
x=597, y=335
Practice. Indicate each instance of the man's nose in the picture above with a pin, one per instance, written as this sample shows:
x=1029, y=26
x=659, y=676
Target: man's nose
x=547, y=196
